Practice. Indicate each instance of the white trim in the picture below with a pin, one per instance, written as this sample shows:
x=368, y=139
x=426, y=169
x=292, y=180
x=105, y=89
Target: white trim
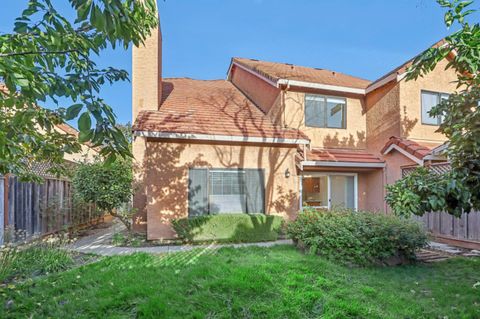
x=269, y=81
x=320, y=86
x=405, y=153
x=343, y=164
x=223, y=138
x=381, y=83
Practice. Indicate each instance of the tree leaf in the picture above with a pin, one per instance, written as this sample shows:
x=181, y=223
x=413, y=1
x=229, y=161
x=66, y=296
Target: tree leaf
x=84, y=122
x=73, y=111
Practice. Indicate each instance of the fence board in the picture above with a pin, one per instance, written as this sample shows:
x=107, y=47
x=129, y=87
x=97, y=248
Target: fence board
x=36, y=209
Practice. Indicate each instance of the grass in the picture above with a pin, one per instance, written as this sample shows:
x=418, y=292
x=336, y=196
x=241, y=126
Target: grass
x=277, y=282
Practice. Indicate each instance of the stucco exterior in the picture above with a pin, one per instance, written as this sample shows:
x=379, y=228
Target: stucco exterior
x=352, y=137
x=382, y=116
x=165, y=168
x=438, y=80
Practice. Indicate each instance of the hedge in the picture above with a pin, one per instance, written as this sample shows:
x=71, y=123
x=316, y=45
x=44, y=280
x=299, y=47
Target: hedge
x=360, y=238
x=229, y=228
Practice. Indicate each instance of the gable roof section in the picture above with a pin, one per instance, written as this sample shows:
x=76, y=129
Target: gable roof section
x=211, y=110
x=409, y=148
x=399, y=72
x=283, y=73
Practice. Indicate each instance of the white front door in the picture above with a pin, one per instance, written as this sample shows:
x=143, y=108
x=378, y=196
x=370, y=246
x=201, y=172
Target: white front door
x=328, y=190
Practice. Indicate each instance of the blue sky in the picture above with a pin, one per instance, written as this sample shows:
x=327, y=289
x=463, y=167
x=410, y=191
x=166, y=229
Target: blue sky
x=357, y=37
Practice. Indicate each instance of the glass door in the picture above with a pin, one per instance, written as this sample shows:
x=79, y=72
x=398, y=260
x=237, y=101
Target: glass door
x=342, y=191
x=330, y=190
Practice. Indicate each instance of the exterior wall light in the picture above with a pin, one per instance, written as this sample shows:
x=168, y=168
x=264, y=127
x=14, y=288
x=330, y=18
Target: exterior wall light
x=287, y=173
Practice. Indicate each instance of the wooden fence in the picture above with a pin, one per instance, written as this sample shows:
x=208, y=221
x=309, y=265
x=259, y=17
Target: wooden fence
x=31, y=209
x=465, y=229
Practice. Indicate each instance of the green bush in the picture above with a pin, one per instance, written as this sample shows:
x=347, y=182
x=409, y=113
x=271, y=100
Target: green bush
x=360, y=238
x=229, y=228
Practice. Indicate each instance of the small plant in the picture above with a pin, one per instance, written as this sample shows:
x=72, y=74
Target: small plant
x=34, y=259
x=360, y=238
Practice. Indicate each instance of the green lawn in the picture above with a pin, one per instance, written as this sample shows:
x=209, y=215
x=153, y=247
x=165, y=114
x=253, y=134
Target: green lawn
x=255, y=282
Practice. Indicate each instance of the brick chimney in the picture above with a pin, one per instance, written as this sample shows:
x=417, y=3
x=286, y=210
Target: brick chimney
x=147, y=74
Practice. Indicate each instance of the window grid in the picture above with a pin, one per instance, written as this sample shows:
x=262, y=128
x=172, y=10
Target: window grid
x=227, y=182
x=323, y=111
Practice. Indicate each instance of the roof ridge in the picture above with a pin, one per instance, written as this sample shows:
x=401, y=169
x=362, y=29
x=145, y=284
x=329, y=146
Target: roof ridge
x=304, y=66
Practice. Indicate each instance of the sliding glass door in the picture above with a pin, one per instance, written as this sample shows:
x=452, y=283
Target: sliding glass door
x=324, y=190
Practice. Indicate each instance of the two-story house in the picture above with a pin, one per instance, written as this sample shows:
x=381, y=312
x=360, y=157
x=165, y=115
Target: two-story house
x=273, y=137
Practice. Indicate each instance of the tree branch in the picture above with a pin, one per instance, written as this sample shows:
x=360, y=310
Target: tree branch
x=5, y=55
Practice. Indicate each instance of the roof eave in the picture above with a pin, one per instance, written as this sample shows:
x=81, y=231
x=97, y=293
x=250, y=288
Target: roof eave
x=221, y=138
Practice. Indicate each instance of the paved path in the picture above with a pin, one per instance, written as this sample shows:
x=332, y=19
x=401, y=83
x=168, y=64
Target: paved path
x=98, y=241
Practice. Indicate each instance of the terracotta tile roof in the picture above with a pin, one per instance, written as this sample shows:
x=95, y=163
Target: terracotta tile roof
x=275, y=71
x=404, y=67
x=209, y=107
x=417, y=150
x=336, y=155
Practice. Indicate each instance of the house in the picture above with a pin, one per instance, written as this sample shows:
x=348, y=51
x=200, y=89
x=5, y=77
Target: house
x=273, y=137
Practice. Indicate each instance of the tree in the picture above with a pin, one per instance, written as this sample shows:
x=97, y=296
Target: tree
x=108, y=186
x=48, y=58
x=459, y=190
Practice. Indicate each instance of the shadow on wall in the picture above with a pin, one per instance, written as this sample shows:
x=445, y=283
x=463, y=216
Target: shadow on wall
x=165, y=178
x=407, y=123
x=334, y=141
x=166, y=165
x=246, y=117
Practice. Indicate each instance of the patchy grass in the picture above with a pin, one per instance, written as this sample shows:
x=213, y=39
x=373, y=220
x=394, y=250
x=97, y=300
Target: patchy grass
x=36, y=259
x=277, y=282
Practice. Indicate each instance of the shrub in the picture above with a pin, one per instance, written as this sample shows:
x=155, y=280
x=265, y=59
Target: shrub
x=360, y=238
x=229, y=228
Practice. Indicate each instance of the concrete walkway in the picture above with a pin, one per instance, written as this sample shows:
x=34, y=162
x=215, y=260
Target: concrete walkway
x=98, y=242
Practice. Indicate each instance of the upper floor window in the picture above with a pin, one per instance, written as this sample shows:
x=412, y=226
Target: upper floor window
x=429, y=100
x=324, y=111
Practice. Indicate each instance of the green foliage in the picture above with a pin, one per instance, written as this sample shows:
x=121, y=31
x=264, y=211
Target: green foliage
x=424, y=191
x=35, y=259
x=459, y=189
x=253, y=282
x=108, y=186
x=48, y=58
x=360, y=238
x=229, y=228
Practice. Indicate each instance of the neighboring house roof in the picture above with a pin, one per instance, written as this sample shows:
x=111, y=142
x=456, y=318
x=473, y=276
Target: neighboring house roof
x=399, y=72
x=278, y=73
x=409, y=148
x=211, y=110
x=342, y=158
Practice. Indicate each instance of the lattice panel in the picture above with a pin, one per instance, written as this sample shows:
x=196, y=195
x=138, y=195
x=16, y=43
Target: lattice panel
x=439, y=169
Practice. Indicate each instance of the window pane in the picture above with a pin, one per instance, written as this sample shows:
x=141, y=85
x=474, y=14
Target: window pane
x=227, y=192
x=315, y=191
x=343, y=191
x=315, y=111
x=335, y=112
x=429, y=100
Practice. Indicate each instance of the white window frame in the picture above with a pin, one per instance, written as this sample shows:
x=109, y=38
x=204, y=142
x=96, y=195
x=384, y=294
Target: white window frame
x=325, y=99
x=329, y=198
x=439, y=95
